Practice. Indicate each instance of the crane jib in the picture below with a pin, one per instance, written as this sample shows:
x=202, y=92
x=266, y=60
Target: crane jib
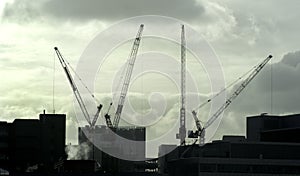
x=77, y=93
x=235, y=94
x=129, y=69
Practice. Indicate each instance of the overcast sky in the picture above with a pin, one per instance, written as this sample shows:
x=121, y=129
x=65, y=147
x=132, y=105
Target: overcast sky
x=241, y=33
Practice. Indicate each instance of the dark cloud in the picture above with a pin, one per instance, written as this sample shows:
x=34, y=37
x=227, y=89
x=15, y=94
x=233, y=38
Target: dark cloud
x=23, y=10
x=116, y=9
x=292, y=59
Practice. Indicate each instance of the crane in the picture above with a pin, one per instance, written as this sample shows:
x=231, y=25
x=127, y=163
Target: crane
x=182, y=129
x=201, y=130
x=76, y=92
x=127, y=78
x=107, y=117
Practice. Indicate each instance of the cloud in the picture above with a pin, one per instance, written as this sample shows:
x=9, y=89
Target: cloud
x=22, y=11
x=101, y=9
x=115, y=9
x=291, y=59
x=261, y=28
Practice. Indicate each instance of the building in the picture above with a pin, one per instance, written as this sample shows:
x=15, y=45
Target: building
x=271, y=128
x=53, y=138
x=32, y=143
x=4, y=147
x=106, y=138
x=24, y=144
x=166, y=153
x=4, y=137
x=271, y=147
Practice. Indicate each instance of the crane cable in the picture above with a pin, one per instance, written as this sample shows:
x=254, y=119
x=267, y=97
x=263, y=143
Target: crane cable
x=53, y=85
x=107, y=116
x=224, y=89
x=271, y=82
x=120, y=80
x=81, y=81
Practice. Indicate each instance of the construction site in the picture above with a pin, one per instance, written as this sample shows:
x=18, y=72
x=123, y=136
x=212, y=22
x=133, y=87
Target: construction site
x=270, y=146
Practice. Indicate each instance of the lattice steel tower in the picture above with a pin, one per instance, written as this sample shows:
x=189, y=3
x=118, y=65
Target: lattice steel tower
x=182, y=128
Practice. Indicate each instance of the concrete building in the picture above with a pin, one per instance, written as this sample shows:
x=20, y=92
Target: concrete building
x=271, y=147
x=106, y=138
x=32, y=143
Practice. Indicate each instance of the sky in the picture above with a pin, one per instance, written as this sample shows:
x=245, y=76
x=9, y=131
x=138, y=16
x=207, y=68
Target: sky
x=241, y=34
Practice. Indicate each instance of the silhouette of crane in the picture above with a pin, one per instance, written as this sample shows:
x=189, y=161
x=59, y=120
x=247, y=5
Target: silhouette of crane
x=200, y=132
x=124, y=90
x=76, y=92
x=182, y=129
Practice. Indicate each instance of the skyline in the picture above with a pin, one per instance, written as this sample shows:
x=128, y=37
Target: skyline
x=241, y=33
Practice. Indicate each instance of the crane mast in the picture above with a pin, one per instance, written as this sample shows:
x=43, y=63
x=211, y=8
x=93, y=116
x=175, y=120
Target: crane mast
x=182, y=128
x=128, y=74
x=232, y=97
x=77, y=93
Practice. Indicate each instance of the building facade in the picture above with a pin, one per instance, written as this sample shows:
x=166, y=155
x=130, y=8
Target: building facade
x=32, y=143
x=106, y=138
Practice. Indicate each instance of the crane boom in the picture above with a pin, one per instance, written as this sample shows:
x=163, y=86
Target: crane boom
x=197, y=121
x=128, y=74
x=76, y=91
x=237, y=91
x=200, y=130
x=96, y=116
x=232, y=97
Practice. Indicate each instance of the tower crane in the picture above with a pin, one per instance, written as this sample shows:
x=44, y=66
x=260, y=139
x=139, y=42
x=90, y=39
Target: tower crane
x=126, y=82
x=182, y=129
x=201, y=129
x=76, y=92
